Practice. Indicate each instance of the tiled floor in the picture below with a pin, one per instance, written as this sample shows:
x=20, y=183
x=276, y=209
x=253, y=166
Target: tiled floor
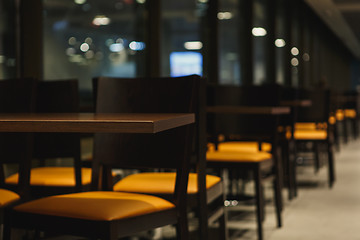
x=319, y=212
x=323, y=213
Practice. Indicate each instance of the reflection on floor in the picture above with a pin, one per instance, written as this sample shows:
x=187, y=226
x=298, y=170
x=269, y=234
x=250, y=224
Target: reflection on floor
x=317, y=213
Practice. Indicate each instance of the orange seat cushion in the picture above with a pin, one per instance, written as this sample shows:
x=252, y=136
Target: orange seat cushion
x=160, y=183
x=53, y=176
x=240, y=146
x=350, y=113
x=340, y=115
x=100, y=206
x=237, y=156
x=332, y=120
x=310, y=126
x=310, y=134
x=7, y=197
x=305, y=125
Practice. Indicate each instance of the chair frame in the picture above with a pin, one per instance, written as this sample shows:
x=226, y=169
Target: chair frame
x=329, y=141
x=273, y=164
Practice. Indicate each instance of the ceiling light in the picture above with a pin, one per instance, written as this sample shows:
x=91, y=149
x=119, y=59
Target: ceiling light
x=101, y=20
x=193, y=45
x=259, y=31
x=280, y=43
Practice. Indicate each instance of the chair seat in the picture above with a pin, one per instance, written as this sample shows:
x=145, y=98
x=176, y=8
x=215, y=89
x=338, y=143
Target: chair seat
x=310, y=126
x=350, y=113
x=160, y=183
x=340, y=115
x=237, y=156
x=310, y=134
x=97, y=206
x=241, y=146
x=53, y=176
x=7, y=197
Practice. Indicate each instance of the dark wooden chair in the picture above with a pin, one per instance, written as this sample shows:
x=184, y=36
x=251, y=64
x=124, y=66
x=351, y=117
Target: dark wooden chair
x=109, y=214
x=313, y=126
x=59, y=96
x=290, y=97
x=205, y=192
x=235, y=126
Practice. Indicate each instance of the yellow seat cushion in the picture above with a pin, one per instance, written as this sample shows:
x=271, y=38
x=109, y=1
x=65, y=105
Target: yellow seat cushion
x=332, y=120
x=305, y=125
x=100, y=206
x=310, y=126
x=237, y=156
x=241, y=146
x=350, y=113
x=7, y=197
x=340, y=115
x=53, y=176
x=160, y=183
x=310, y=134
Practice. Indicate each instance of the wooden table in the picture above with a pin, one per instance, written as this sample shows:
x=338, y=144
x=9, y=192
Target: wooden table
x=296, y=103
x=91, y=123
x=268, y=110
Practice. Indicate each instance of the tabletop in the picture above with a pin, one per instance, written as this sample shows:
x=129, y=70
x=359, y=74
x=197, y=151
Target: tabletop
x=297, y=103
x=261, y=110
x=92, y=123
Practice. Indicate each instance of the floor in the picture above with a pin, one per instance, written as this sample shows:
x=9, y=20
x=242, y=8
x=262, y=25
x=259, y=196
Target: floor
x=323, y=213
x=317, y=213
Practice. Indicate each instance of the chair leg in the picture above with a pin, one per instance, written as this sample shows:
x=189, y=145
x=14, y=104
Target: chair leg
x=6, y=232
x=293, y=168
x=263, y=201
x=203, y=222
x=278, y=207
x=182, y=231
x=223, y=233
x=290, y=166
x=317, y=157
x=345, y=131
x=259, y=202
x=331, y=165
x=287, y=168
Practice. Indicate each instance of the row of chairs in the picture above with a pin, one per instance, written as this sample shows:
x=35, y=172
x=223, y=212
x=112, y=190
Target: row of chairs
x=125, y=211
x=277, y=140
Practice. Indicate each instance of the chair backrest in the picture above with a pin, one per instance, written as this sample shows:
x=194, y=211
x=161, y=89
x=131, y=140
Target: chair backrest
x=17, y=96
x=319, y=110
x=352, y=100
x=169, y=149
x=59, y=96
x=244, y=126
x=289, y=94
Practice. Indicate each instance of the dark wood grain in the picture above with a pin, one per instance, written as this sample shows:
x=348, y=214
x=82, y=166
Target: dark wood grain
x=91, y=123
x=296, y=103
x=249, y=110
